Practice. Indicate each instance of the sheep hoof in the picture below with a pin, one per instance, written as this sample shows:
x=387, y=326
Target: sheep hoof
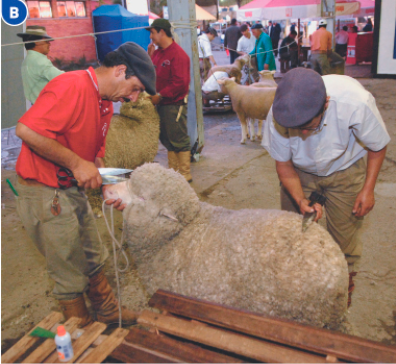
x=253, y=138
x=243, y=141
x=259, y=137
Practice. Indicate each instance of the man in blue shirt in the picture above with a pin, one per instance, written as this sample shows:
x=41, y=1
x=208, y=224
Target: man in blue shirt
x=263, y=50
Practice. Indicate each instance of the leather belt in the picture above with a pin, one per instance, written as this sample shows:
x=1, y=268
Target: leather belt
x=319, y=52
x=30, y=182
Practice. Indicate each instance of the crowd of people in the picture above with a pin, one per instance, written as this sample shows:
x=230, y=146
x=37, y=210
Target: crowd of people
x=317, y=133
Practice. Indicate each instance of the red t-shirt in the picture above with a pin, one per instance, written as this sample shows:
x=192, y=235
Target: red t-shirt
x=172, y=66
x=70, y=110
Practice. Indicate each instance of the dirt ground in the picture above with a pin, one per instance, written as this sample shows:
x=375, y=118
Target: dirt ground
x=234, y=176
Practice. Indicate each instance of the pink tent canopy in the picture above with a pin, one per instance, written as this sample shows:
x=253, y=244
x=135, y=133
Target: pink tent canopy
x=292, y=9
x=153, y=16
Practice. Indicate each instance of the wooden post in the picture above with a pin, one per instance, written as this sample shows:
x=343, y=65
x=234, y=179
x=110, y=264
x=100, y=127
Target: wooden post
x=182, y=12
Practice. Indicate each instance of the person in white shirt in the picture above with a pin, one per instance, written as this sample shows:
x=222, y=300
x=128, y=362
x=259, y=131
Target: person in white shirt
x=341, y=39
x=247, y=42
x=205, y=52
x=320, y=131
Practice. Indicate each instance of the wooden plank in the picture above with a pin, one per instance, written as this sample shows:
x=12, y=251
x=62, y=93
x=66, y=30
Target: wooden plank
x=229, y=341
x=185, y=352
x=27, y=341
x=101, y=352
x=326, y=342
x=132, y=353
x=48, y=346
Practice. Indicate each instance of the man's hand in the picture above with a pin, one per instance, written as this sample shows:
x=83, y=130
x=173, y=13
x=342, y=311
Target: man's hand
x=364, y=203
x=117, y=204
x=156, y=99
x=87, y=175
x=305, y=208
x=150, y=49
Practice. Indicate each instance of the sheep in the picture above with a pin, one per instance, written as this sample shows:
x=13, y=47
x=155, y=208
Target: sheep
x=251, y=259
x=233, y=70
x=266, y=79
x=249, y=103
x=132, y=140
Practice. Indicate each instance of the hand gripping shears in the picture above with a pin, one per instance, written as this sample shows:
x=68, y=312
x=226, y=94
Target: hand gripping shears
x=65, y=178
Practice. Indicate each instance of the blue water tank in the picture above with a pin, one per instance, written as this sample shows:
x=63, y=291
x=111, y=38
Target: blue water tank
x=112, y=17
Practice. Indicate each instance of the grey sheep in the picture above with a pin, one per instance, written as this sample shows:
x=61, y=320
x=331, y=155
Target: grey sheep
x=252, y=259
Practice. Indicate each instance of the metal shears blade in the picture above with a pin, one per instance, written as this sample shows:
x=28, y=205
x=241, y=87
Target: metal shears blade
x=111, y=176
x=308, y=220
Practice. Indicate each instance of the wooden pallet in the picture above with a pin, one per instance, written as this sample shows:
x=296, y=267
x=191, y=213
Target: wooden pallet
x=195, y=331
x=89, y=345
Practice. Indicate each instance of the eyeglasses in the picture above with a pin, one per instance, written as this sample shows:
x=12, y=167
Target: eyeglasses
x=316, y=128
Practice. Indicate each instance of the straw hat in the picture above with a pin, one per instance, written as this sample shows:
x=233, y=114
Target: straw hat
x=36, y=31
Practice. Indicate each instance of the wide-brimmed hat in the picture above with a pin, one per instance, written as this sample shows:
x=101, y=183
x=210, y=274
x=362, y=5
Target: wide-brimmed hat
x=160, y=23
x=35, y=30
x=299, y=97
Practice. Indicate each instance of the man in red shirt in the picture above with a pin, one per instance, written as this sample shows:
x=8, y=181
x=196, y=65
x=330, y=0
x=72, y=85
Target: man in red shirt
x=172, y=66
x=64, y=133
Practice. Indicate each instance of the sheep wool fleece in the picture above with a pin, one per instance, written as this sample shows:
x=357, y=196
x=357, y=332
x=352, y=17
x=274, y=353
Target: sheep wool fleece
x=252, y=259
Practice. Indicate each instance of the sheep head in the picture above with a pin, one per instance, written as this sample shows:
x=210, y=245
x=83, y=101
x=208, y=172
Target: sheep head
x=266, y=74
x=241, y=61
x=223, y=82
x=161, y=203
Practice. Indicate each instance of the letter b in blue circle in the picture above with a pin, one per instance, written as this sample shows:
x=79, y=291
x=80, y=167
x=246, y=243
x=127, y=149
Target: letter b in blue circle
x=14, y=12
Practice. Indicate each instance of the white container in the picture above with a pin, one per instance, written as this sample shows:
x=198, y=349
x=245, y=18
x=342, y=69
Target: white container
x=63, y=344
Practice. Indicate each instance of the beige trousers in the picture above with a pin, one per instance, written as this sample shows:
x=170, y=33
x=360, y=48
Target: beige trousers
x=70, y=241
x=341, y=189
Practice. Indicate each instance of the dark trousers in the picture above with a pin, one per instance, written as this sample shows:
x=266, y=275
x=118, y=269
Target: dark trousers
x=341, y=49
x=173, y=130
x=233, y=56
x=275, y=43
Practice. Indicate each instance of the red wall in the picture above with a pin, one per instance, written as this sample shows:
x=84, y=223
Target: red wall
x=74, y=48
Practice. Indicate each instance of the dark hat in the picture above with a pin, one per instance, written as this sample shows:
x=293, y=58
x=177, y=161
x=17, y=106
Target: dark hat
x=160, y=23
x=257, y=26
x=140, y=63
x=36, y=31
x=299, y=97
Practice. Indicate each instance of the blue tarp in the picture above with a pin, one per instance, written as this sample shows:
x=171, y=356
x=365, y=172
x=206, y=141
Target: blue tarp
x=112, y=17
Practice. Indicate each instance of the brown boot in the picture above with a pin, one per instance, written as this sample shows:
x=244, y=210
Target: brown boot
x=105, y=304
x=184, y=165
x=173, y=161
x=76, y=308
x=351, y=287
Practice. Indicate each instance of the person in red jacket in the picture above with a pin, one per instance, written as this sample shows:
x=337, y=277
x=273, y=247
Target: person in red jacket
x=172, y=66
x=63, y=136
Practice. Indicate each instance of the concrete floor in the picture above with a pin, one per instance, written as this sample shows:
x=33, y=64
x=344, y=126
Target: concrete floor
x=234, y=176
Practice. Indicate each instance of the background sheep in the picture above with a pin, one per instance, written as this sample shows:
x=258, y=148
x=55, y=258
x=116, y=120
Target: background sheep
x=233, y=70
x=249, y=103
x=131, y=141
x=258, y=260
x=266, y=79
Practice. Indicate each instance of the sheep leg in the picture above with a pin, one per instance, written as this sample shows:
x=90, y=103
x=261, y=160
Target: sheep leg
x=252, y=131
x=247, y=128
x=242, y=119
x=260, y=130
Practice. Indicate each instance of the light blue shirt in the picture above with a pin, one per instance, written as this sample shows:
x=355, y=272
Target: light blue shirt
x=37, y=71
x=350, y=124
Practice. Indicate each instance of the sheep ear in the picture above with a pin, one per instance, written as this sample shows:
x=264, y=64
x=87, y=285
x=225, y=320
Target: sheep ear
x=166, y=213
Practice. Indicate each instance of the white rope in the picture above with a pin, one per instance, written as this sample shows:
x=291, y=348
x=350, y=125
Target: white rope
x=76, y=36
x=118, y=244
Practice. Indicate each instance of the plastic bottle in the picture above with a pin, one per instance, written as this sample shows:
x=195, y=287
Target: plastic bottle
x=63, y=344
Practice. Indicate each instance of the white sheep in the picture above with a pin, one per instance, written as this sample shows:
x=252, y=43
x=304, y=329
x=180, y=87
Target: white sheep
x=266, y=79
x=252, y=259
x=249, y=103
x=233, y=70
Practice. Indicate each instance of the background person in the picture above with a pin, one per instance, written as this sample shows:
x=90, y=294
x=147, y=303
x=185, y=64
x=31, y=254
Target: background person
x=247, y=42
x=66, y=128
x=264, y=58
x=231, y=37
x=274, y=31
x=369, y=26
x=319, y=131
x=321, y=41
x=37, y=70
x=288, y=49
x=172, y=66
x=341, y=39
x=205, y=52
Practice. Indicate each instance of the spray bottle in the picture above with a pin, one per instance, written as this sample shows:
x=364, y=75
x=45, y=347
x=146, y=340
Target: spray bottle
x=63, y=344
